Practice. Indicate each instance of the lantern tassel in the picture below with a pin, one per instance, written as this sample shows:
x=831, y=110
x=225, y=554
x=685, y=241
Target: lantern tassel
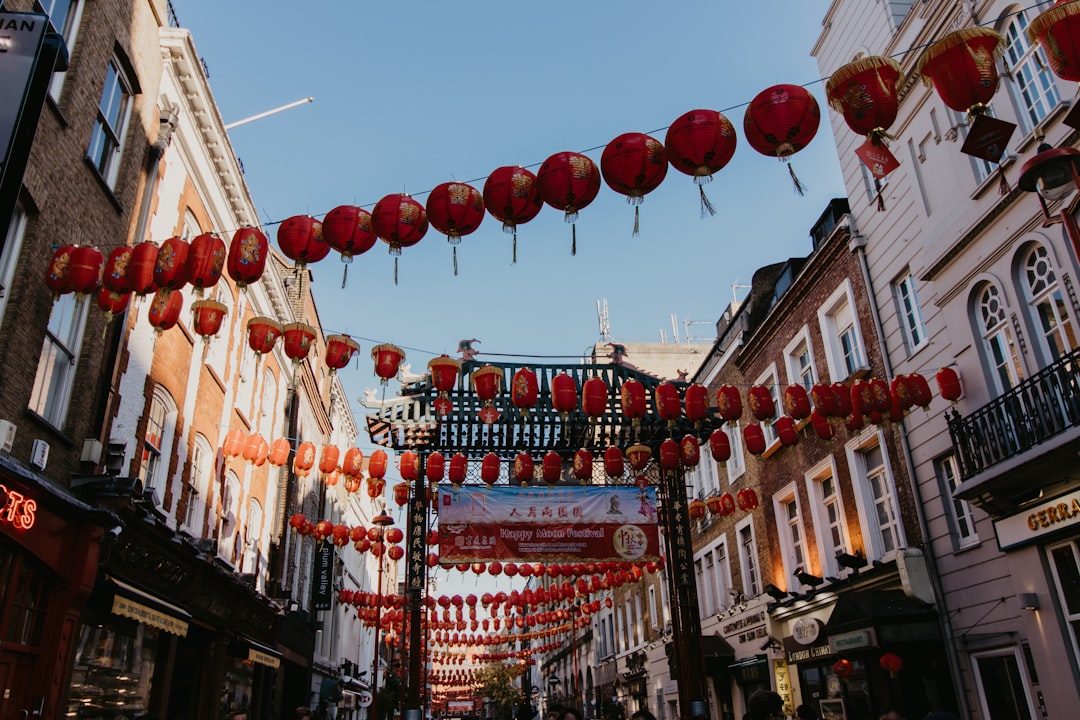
x=880, y=197
x=1003, y=184
x=395, y=270
x=573, y=239
x=706, y=206
x=637, y=218
x=454, y=248
x=514, y=262
x=344, y=276
x=799, y=188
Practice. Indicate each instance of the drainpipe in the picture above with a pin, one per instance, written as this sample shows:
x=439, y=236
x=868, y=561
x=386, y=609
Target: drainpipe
x=857, y=245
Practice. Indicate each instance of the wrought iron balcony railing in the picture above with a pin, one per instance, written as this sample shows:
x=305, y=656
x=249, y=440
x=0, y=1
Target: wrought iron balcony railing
x=1044, y=405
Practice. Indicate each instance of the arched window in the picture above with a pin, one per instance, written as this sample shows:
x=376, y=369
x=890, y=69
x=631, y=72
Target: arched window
x=998, y=342
x=267, y=423
x=230, y=508
x=1033, y=88
x=157, y=442
x=1049, y=312
x=252, y=534
x=198, y=490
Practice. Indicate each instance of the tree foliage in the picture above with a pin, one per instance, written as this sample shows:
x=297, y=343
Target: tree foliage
x=498, y=683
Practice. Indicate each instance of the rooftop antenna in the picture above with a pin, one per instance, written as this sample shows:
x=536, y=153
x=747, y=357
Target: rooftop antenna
x=605, y=324
x=735, y=287
x=675, y=328
x=261, y=115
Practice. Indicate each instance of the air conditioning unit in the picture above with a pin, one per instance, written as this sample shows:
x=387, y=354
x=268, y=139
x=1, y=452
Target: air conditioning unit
x=91, y=451
x=7, y=435
x=39, y=454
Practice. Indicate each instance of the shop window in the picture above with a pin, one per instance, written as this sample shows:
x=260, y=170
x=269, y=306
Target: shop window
x=113, y=671
x=998, y=343
x=1002, y=687
x=59, y=359
x=1049, y=312
x=961, y=512
x=110, y=127
x=24, y=602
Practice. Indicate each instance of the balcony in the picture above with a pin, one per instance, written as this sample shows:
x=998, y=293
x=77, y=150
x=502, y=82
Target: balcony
x=998, y=438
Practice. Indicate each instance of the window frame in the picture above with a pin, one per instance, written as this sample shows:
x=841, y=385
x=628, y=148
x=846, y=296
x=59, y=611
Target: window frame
x=1070, y=618
x=873, y=539
x=749, y=562
x=736, y=464
x=1024, y=684
x=909, y=312
x=70, y=33
x=1053, y=295
x=796, y=373
x=50, y=398
x=790, y=547
x=957, y=511
x=815, y=478
x=768, y=428
x=200, y=480
x=1018, y=64
x=999, y=337
x=830, y=319
x=106, y=149
x=9, y=259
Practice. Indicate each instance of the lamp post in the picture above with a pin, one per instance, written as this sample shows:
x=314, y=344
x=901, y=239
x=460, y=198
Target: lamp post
x=381, y=521
x=1052, y=174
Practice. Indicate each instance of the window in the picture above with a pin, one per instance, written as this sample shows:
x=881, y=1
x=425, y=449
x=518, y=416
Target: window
x=874, y=488
x=998, y=343
x=907, y=305
x=654, y=618
x=253, y=532
x=230, y=506
x=790, y=530
x=736, y=464
x=665, y=600
x=59, y=355
x=1033, y=89
x=66, y=16
x=962, y=516
x=704, y=599
x=841, y=335
x=748, y=559
x=202, y=462
x=1048, y=308
x=10, y=255
x=1065, y=561
x=1003, y=689
x=107, y=139
x=157, y=442
x=768, y=381
x=723, y=575
x=269, y=398
x=800, y=361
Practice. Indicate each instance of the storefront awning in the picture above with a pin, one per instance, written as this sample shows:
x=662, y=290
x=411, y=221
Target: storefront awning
x=262, y=654
x=131, y=602
x=859, y=610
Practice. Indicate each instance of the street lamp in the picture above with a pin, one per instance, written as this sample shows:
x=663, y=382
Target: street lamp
x=1052, y=174
x=381, y=521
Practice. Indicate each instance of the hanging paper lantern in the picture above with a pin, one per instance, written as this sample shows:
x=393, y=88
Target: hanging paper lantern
x=754, y=437
x=594, y=398
x=891, y=663
x=140, y=269
x=825, y=401
x=56, y=275
x=233, y=444
x=696, y=509
x=822, y=428
x=348, y=230
x=247, y=256
x=322, y=530
x=696, y=401
x=353, y=463
x=689, y=451
x=720, y=446
x=165, y=309
x=700, y=143
x=297, y=521
x=339, y=351
x=583, y=461
x=638, y=456
x=401, y=494
x=409, y=466
x=614, y=463
x=921, y=389
x=1057, y=30
x=843, y=668
x=459, y=465
x=551, y=467
x=304, y=459
x=112, y=303
x=843, y=399
x=84, y=270
x=948, y=382
x=747, y=500
x=487, y=383
x=787, y=431
x=444, y=371
x=377, y=464
x=761, y=403
x=854, y=422
x=797, y=402
x=729, y=403
x=668, y=455
x=667, y=402
x=523, y=468
x=400, y=222
x=455, y=209
x=489, y=468
x=207, y=317
x=632, y=396
x=524, y=390
x=563, y=394
x=568, y=181
x=510, y=196
x=375, y=488
x=328, y=459
x=727, y=504
x=714, y=506
x=634, y=164
x=114, y=275
x=279, y=452
x=780, y=121
x=388, y=359
x=170, y=267
x=296, y=340
x=962, y=68
x=902, y=390
x=205, y=261
x=262, y=333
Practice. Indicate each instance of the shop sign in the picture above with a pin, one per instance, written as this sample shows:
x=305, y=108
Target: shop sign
x=322, y=585
x=745, y=628
x=363, y=698
x=20, y=39
x=806, y=631
x=258, y=656
x=782, y=676
x=15, y=508
x=148, y=616
x=909, y=632
x=857, y=640
x=1042, y=519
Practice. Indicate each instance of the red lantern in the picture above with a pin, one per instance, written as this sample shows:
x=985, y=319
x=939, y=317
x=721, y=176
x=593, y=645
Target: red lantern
x=696, y=509
x=822, y=428
x=843, y=399
x=523, y=390
x=207, y=317
x=523, y=468
x=690, y=451
x=489, y=468
x=551, y=467
x=487, y=383
x=754, y=437
x=583, y=461
x=632, y=395
x=56, y=276
x=339, y=351
x=638, y=455
x=634, y=164
x=322, y=530
x=262, y=333
x=233, y=444
x=568, y=181
x=921, y=389
x=667, y=402
x=1057, y=30
x=400, y=222
x=614, y=463
x=296, y=340
x=902, y=390
x=510, y=196
x=700, y=143
x=455, y=209
x=761, y=403
x=720, y=446
x=112, y=303
x=797, y=402
x=780, y=121
x=843, y=668
x=563, y=394
x=140, y=270
x=696, y=400
x=353, y=464
x=205, y=261
x=377, y=464
x=825, y=401
x=300, y=239
x=729, y=403
x=328, y=460
x=594, y=398
x=170, y=267
x=304, y=459
x=409, y=466
x=114, y=276
x=727, y=504
x=387, y=359
x=865, y=91
x=401, y=493
x=948, y=382
x=961, y=67
x=247, y=256
x=348, y=230
x=891, y=663
x=444, y=371
x=165, y=309
x=668, y=455
x=84, y=270
x=459, y=465
x=279, y=452
x=787, y=430
x=714, y=505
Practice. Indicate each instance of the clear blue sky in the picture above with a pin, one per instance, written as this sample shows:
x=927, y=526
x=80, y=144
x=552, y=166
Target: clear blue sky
x=409, y=95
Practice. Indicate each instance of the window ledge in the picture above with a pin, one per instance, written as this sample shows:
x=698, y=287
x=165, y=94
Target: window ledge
x=968, y=546
x=994, y=179
x=60, y=117
x=104, y=185
x=918, y=349
x=1032, y=137
x=59, y=432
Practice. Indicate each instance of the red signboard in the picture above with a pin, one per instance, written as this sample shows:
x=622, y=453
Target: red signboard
x=17, y=509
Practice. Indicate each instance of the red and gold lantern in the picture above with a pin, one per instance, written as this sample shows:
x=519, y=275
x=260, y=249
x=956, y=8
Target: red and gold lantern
x=353, y=463
x=459, y=466
x=594, y=398
x=632, y=397
x=720, y=445
x=891, y=663
x=689, y=451
x=262, y=333
x=523, y=468
x=140, y=269
x=401, y=493
x=948, y=382
x=729, y=403
x=638, y=456
x=510, y=196
x=489, y=468
x=296, y=340
x=377, y=464
x=961, y=66
x=56, y=276
x=409, y=466
x=304, y=459
x=787, y=431
x=614, y=463
x=825, y=401
x=568, y=181
x=455, y=209
x=207, y=317
x=114, y=276
x=279, y=452
x=727, y=504
x=754, y=437
x=524, y=390
x=583, y=462
x=634, y=164
x=84, y=271
x=696, y=401
x=822, y=427
x=551, y=467
x=165, y=309
x=328, y=459
x=171, y=265
x=668, y=455
x=339, y=351
x=921, y=388
x=205, y=261
x=843, y=668
x=247, y=256
x=400, y=222
x=667, y=402
x=700, y=143
x=444, y=371
x=696, y=509
x=435, y=467
x=714, y=505
x=797, y=402
x=387, y=359
x=563, y=394
x=233, y=444
x=348, y=230
x=760, y=400
x=780, y=121
x=1057, y=31
x=487, y=384
x=112, y=303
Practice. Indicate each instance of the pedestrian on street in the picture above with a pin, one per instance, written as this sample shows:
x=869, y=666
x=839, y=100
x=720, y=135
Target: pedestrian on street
x=891, y=715
x=303, y=713
x=805, y=712
x=643, y=714
x=766, y=705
